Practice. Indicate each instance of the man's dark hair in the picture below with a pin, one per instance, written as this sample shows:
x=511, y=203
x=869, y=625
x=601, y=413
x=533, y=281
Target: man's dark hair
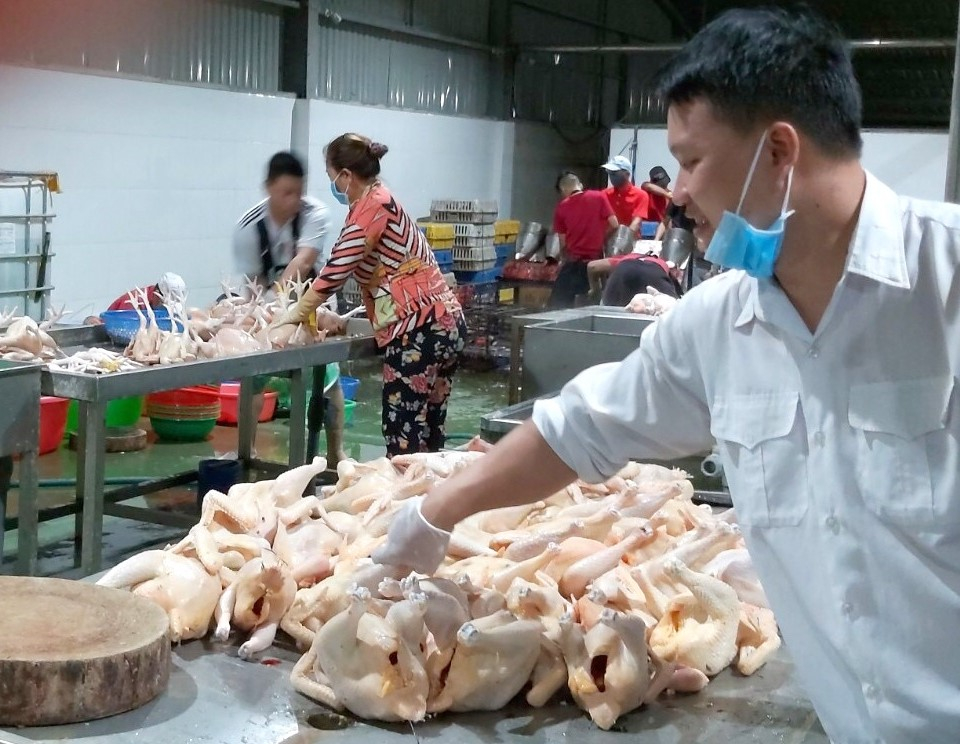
x=284, y=164
x=767, y=64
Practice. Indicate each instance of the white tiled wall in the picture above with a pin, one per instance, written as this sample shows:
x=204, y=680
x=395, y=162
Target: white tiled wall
x=912, y=163
x=154, y=176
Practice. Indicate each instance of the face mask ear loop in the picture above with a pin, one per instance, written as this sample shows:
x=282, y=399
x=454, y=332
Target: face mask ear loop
x=786, y=197
x=753, y=167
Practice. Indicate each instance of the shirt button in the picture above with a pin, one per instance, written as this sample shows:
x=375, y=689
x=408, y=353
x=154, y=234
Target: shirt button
x=847, y=609
x=818, y=439
x=813, y=352
x=833, y=524
x=872, y=692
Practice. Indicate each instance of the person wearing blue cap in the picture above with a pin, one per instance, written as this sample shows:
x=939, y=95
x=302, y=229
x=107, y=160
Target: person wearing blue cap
x=630, y=203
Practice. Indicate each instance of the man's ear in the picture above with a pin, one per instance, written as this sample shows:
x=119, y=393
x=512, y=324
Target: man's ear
x=784, y=143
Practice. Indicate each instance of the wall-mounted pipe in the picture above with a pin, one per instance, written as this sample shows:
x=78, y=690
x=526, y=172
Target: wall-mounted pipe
x=335, y=19
x=856, y=45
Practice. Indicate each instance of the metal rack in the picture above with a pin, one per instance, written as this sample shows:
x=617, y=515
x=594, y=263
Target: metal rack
x=29, y=246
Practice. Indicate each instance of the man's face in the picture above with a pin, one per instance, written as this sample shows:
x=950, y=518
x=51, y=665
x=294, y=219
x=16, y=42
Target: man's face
x=714, y=161
x=285, y=193
x=618, y=178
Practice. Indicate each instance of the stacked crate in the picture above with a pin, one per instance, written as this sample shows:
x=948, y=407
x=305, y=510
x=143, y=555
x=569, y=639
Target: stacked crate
x=505, y=234
x=472, y=220
x=441, y=238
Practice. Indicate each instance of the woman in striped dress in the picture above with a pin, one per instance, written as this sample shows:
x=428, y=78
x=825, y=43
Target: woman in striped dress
x=417, y=321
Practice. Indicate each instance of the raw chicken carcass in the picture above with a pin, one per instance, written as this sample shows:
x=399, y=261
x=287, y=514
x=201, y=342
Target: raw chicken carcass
x=181, y=586
x=379, y=676
x=699, y=628
x=492, y=662
x=259, y=596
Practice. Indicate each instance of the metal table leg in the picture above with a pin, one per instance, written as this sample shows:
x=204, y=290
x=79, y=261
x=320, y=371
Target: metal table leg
x=246, y=422
x=513, y=384
x=298, y=418
x=91, y=453
x=6, y=473
x=27, y=516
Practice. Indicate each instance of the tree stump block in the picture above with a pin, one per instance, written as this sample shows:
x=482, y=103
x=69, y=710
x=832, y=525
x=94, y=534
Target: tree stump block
x=72, y=651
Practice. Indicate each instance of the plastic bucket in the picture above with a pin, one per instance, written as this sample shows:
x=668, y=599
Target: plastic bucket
x=121, y=412
x=349, y=406
x=53, y=422
x=218, y=475
x=349, y=386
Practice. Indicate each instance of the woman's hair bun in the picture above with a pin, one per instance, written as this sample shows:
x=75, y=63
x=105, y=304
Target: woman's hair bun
x=378, y=150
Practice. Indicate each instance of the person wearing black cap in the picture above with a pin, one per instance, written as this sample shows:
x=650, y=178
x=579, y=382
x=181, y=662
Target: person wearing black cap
x=658, y=189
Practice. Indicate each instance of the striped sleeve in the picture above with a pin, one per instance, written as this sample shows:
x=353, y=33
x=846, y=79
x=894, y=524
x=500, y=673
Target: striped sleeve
x=345, y=257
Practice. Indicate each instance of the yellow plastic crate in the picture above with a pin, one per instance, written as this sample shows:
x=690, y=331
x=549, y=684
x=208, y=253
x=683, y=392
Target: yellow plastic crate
x=440, y=244
x=506, y=227
x=436, y=231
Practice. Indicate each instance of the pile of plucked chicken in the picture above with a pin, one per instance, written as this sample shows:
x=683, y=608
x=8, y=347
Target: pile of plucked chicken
x=617, y=592
x=235, y=324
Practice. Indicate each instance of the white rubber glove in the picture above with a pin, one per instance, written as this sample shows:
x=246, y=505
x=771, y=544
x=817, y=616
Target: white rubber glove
x=412, y=542
x=652, y=302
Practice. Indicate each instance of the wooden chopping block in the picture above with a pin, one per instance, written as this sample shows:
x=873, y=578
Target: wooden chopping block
x=72, y=651
x=118, y=439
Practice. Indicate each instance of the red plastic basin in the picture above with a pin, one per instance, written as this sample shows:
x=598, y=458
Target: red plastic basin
x=53, y=422
x=198, y=395
x=229, y=403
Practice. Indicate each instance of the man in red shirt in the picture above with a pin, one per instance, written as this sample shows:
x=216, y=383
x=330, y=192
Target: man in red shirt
x=628, y=274
x=171, y=288
x=582, y=221
x=630, y=203
x=658, y=189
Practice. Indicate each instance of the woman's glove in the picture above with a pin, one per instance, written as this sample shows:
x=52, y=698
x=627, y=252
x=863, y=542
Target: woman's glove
x=412, y=542
x=653, y=302
x=302, y=311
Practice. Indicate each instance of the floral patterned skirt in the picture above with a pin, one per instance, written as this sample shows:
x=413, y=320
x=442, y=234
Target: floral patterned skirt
x=418, y=369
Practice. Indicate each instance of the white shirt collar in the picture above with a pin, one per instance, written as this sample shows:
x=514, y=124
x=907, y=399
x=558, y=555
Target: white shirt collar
x=876, y=251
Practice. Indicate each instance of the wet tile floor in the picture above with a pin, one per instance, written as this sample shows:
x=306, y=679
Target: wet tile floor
x=475, y=394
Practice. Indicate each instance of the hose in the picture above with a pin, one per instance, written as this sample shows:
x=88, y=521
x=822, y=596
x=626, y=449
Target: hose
x=120, y=480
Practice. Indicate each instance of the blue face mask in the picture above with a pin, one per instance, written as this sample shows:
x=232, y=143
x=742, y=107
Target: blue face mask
x=736, y=244
x=339, y=195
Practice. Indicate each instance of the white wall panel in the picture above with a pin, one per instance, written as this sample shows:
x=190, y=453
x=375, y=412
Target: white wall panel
x=431, y=156
x=912, y=163
x=154, y=175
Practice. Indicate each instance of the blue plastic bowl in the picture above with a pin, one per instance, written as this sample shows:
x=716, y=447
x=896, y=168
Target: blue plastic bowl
x=122, y=325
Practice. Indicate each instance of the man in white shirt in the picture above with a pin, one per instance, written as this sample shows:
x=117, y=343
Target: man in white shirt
x=828, y=386
x=286, y=236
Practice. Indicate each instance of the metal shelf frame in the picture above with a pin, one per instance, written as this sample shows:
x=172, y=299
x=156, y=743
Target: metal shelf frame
x=37, y=188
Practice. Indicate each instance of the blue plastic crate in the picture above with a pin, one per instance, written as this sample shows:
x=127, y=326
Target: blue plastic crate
x=648, y=230
x=505, y=251
x=485, y=276
x=444, y=259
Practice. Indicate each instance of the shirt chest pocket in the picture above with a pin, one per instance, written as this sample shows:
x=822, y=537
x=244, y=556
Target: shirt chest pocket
x=760, y=440
x=894, y=423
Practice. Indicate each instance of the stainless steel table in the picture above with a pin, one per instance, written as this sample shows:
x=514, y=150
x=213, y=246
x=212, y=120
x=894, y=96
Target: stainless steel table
x=214, y=697
x=522, y=322
x=19, y=432
x=93, y=391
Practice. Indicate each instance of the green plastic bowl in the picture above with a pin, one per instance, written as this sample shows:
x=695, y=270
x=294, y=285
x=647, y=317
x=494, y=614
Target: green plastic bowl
x=121, y=413
x=174, y=430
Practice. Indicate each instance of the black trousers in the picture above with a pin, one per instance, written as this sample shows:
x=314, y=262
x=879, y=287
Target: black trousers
x=631, y=277
x=571, y=281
